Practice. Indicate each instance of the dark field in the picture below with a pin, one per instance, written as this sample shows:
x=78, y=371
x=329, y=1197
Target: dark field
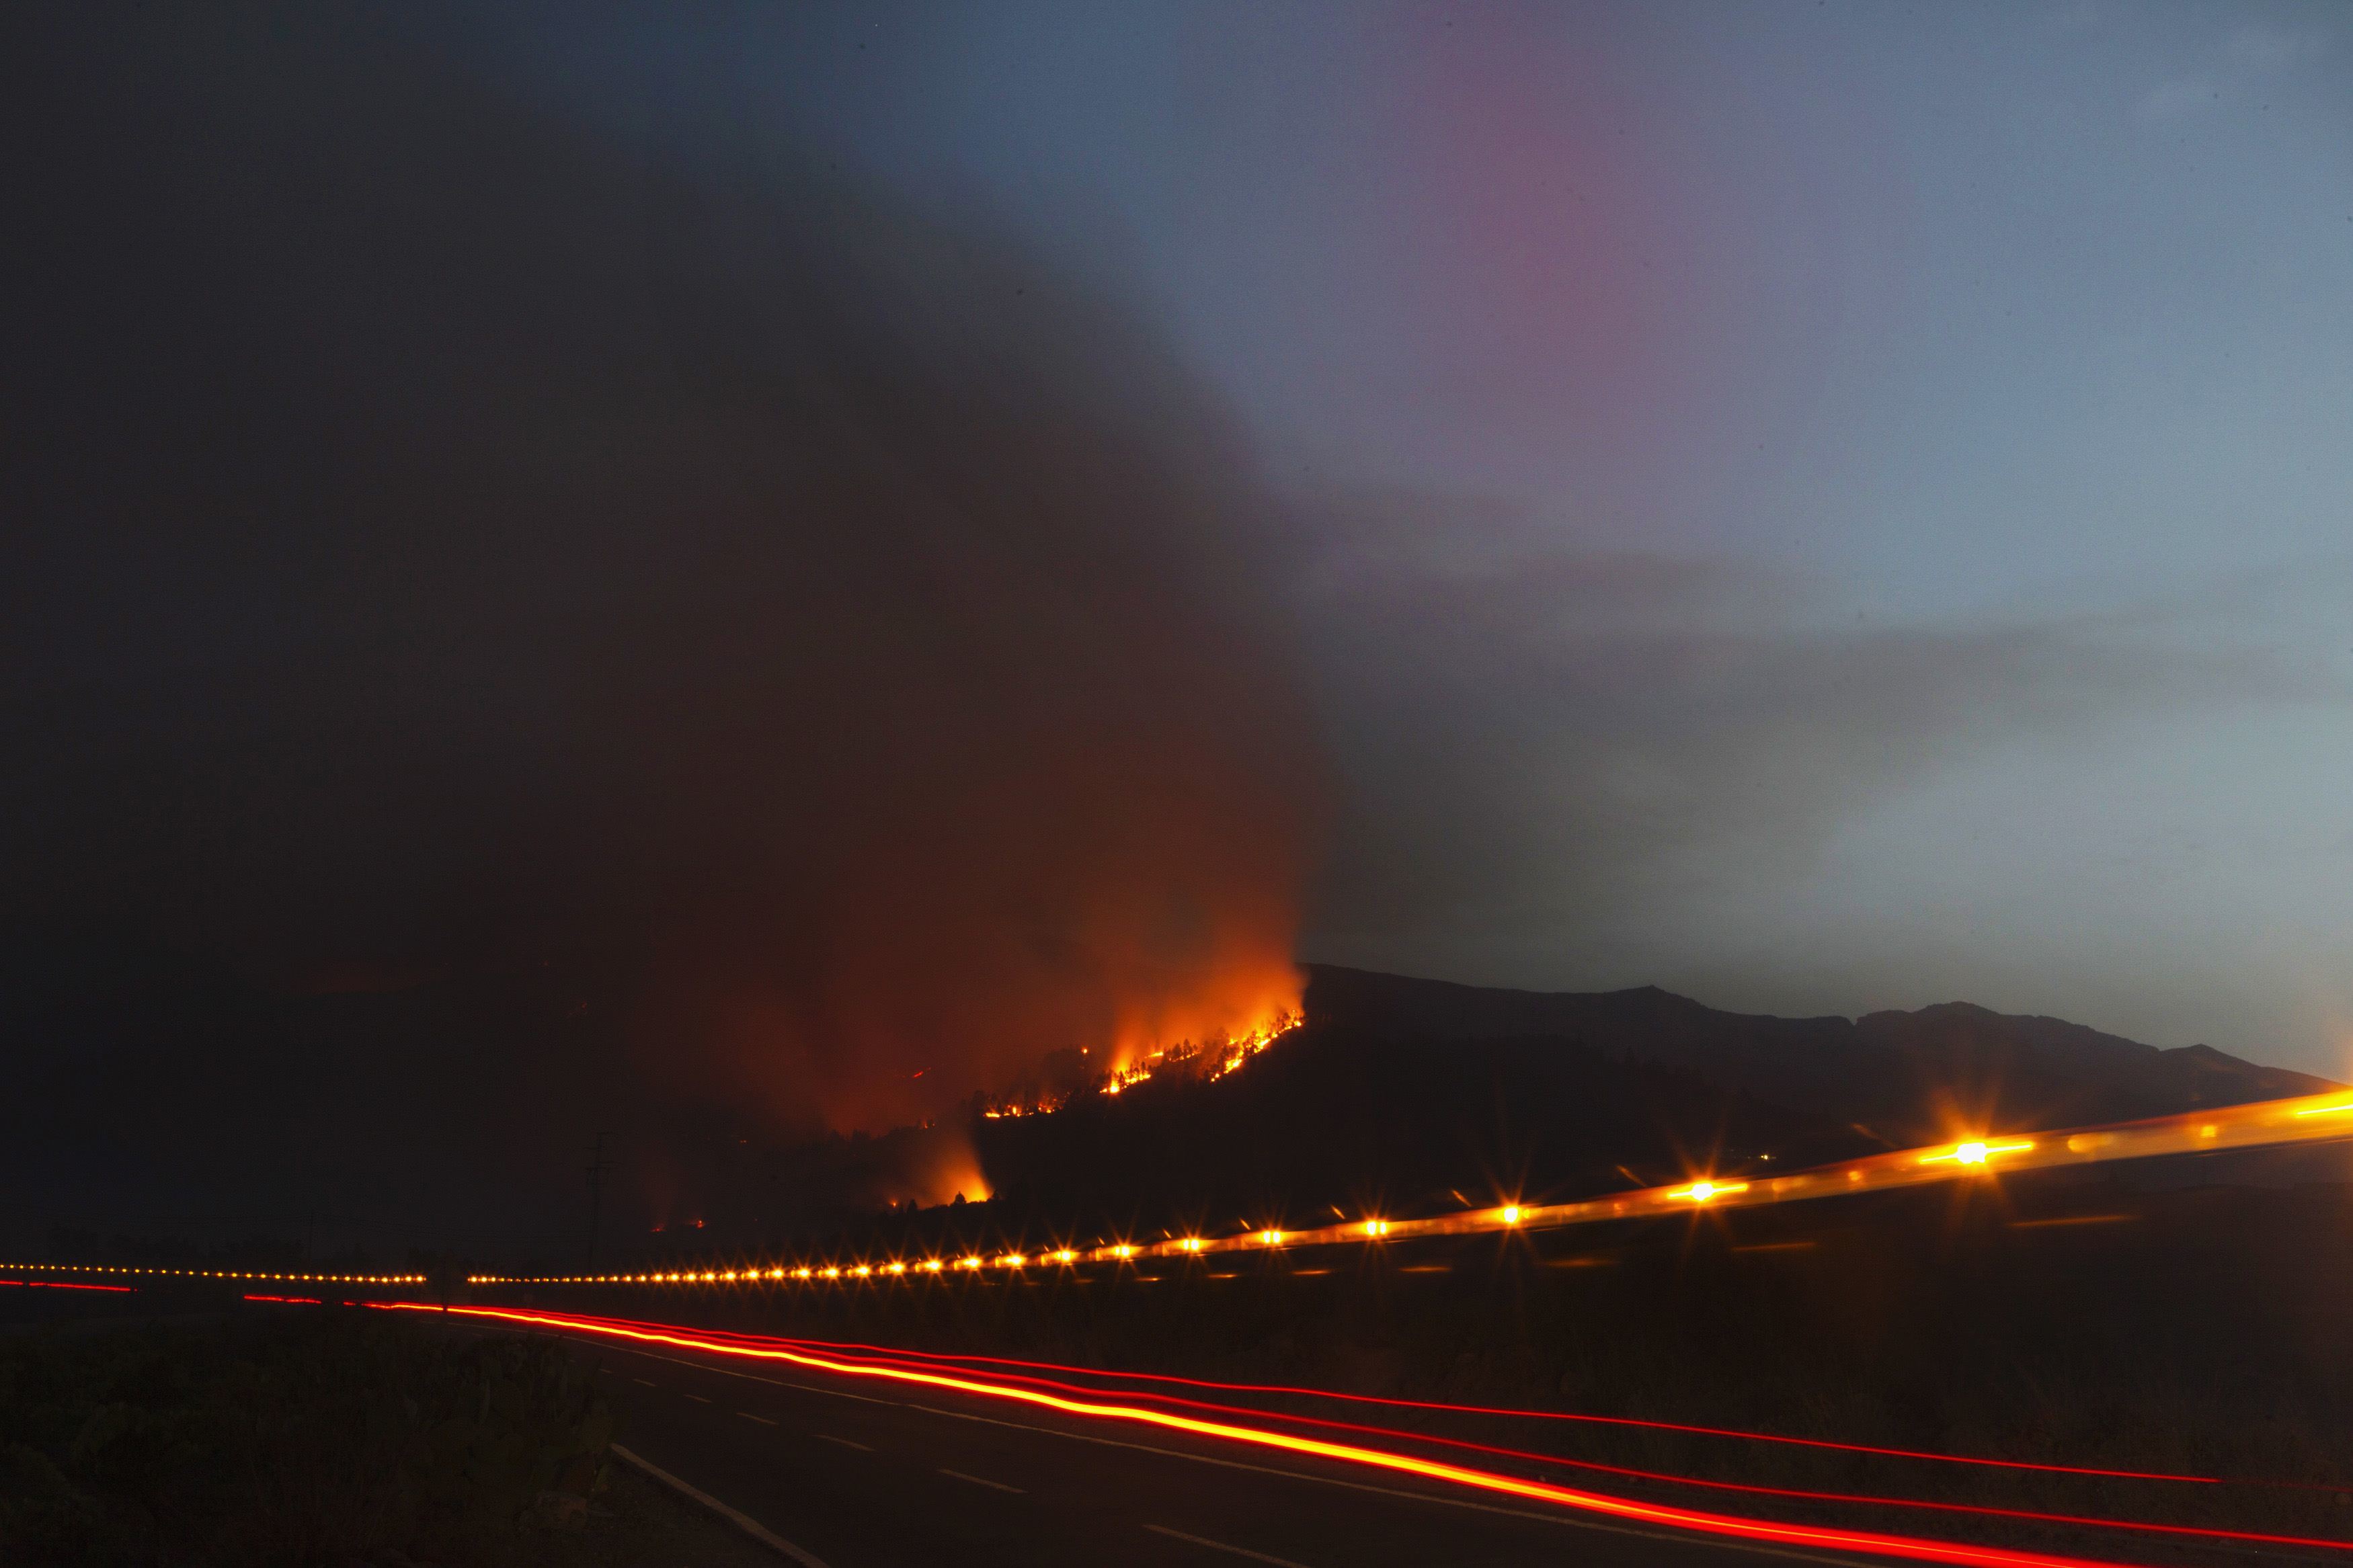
x=317, y=1436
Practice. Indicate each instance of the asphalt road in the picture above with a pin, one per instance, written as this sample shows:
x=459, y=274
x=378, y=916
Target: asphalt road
x=857, y=1475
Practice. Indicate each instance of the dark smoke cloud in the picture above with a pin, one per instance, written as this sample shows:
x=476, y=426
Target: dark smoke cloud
x=451, y=557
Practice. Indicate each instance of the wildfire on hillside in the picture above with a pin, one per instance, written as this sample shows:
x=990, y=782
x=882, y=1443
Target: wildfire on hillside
x=1207, y=1061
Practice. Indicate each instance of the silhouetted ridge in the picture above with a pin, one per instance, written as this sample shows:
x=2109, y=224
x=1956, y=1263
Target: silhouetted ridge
x=1910, y=1078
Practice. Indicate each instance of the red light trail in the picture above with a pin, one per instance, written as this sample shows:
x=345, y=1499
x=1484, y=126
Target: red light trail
x=890, y=1354
x=1849, y=1499
x=1702, y=1522
x=1422, y=1405
x=893, y=1352
x=63, y=1285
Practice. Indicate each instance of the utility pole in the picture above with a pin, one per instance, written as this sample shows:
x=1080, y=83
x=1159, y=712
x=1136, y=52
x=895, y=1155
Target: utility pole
x=598, y=1166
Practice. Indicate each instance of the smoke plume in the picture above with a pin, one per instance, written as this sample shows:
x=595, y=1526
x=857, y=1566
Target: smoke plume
x=454, y=556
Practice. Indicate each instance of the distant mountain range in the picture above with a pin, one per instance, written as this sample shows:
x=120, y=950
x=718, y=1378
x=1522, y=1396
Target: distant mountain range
x=171, y=1098
x=1908, y=1077
x=1403, y=1094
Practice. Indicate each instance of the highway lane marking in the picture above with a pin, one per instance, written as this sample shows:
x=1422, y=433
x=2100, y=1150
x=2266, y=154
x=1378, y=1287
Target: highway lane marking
x=750, y=1376
x=811, y=1388
x=760, y=1419
x=1570, y=1521
x=648, y=1385
x=829, y=1437
x=978, y=1480
x=736, y=1517
x=696, y=1398
x=1221, y=1546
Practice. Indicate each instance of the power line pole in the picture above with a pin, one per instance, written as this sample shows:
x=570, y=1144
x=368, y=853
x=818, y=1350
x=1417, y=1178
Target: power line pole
x=598, y=1166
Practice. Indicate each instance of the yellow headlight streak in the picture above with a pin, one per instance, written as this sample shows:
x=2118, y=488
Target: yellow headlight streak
x=2307, y=1119
x=1975, y=1152
x=1708, y=1192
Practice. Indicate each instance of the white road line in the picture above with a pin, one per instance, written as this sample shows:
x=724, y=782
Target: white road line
x=1573, y=1520
x=749, y=1376
x=829, y=1437
x=644, y=1381
x=741, y=1521
x=698, y=1399
x=977, y=1480
x=760, y=1419
x=1221, y=1546
x=811, y=1388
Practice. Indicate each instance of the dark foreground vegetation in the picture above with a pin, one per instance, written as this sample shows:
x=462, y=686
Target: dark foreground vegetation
x=2088, y=1322
x=317, y=1436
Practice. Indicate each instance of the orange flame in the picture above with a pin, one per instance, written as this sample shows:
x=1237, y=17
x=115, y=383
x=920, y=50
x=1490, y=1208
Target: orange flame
x=1207, y=1060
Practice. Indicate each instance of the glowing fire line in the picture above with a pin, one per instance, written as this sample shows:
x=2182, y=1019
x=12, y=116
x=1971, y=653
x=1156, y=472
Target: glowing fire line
x=1212, y=1061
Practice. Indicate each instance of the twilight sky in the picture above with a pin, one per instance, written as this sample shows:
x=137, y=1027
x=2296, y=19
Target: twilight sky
x=715, y=572
x=1821, y=506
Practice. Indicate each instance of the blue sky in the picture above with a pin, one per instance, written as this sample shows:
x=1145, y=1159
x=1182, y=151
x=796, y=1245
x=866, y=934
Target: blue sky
x=1820, y=506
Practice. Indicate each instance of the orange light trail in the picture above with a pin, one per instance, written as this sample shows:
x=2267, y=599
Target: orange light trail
x=2307, y=1119
x=959, y=1361
x=2090, y=1521
x=1707, y=1192
x=889, y=1355
x=1919, y=1549
x=1978, y=1153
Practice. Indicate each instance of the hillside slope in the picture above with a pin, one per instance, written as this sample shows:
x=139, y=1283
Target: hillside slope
x=1404, y=1096
x=1908, y=1077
